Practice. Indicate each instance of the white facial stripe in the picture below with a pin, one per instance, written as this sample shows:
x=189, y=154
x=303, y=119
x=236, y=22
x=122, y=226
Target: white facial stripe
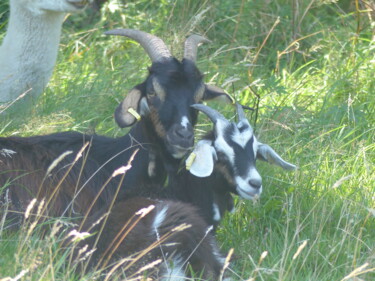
x=220, y=143
x=184, y=121
x=222, y=146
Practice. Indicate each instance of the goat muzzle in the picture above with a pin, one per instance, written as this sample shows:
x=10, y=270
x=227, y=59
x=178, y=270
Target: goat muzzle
x=180, y=140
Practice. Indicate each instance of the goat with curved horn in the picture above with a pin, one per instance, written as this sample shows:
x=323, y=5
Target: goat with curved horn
x=159, y=111
x=154, y=46
x=211, y=113
x=191, y=46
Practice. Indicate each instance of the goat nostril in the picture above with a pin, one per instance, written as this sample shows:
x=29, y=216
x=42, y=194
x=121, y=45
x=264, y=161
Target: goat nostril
x=256, y=183
x=184, y=133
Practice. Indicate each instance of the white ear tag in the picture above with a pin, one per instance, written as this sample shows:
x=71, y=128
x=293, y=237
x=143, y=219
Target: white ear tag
x=202, y=164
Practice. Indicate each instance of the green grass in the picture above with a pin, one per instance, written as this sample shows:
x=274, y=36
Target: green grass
x=313, y=71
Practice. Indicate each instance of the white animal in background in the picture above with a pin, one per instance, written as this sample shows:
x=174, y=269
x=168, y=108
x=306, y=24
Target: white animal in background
x=29, y=49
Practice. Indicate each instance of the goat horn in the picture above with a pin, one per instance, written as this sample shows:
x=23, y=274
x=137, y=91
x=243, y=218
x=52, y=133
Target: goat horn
x=211, y=113
x=240, y=112
x=154, y=46
x=191, y=46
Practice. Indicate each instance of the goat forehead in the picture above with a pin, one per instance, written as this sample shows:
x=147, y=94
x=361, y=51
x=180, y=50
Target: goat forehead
x=179, y=84
x=180, y=92
x=242, y=137
x=231, y=136
x=175, y=74
x=177, y=110
x=239, y=145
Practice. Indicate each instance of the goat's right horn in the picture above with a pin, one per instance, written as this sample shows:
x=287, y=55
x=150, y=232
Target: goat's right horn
x=154, y=46
x=211, y=113
x=191, y=46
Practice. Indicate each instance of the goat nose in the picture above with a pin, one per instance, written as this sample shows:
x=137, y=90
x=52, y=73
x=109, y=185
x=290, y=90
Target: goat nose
x=256, y=183
x=184, y=133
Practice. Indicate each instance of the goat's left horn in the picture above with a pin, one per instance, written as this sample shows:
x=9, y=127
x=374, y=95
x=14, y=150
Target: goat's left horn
x=154, y=46
x=211, y=113
x=191, y=46
x=240, y=112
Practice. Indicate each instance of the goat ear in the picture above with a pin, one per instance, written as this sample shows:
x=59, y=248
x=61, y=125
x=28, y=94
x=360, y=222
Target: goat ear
x=126, y=113
x=266, y=153
x=201, y=161
x=216, y=93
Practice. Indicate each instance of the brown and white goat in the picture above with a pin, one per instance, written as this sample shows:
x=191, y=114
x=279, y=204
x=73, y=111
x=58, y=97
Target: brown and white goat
x=140, y=231
x=172, y=232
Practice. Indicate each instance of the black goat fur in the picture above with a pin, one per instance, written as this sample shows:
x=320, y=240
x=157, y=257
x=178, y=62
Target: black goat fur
x=68, y=190
x=180, y=79
x=199, y=192
x=194, y=246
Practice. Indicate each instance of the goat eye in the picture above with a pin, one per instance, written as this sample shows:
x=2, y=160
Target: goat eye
x=241, y=128
x=151, y=94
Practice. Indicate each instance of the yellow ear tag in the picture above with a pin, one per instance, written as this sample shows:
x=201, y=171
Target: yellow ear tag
x=134, y=113
x=189, y=161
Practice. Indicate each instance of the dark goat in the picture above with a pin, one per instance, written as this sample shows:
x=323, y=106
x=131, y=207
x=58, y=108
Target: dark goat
x=223, y=164
x=55, y=182
x=170, y=231
x=29, y=171
x=164, y=133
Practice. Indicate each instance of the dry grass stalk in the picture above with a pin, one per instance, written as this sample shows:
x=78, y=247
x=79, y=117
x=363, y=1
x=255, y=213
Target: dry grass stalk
x=358, y=271
x=299, y=250
x=111, y=204
x=29, y=208
x=226, y=263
